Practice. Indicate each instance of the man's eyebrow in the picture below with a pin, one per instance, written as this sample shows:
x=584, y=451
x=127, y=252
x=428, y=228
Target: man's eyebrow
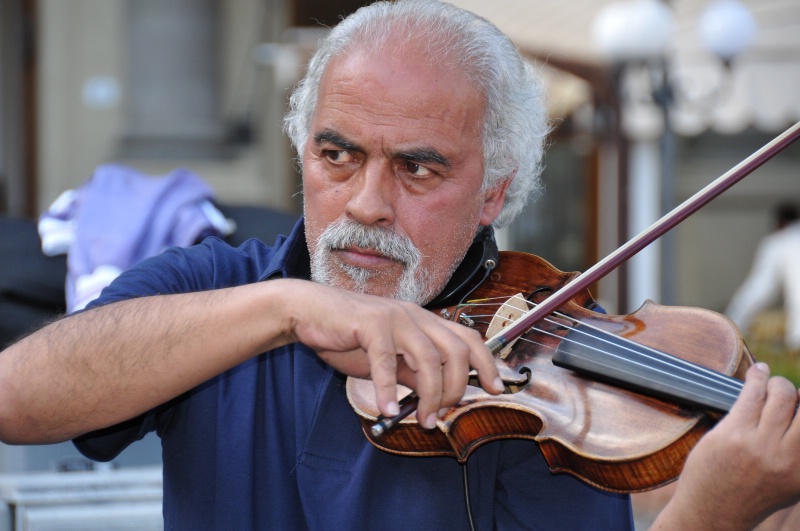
x=332, y=137
x=424, y=156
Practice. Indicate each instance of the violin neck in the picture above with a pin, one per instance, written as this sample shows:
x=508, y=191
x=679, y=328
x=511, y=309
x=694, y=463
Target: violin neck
x=616, y=360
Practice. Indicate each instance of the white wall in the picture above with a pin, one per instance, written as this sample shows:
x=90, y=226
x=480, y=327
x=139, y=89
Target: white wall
x=83, y=39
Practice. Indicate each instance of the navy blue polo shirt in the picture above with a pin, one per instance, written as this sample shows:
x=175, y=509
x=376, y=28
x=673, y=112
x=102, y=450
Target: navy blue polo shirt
x=273, y=443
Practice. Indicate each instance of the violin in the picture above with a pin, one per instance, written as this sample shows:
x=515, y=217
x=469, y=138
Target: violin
x=611, y=437
x=618, y=401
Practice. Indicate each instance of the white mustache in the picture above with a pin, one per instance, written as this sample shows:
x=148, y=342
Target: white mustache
x=348, y=233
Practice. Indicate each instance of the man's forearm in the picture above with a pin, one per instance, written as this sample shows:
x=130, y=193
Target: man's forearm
x=109, y=364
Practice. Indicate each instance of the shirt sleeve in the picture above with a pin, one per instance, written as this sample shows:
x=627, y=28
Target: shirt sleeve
x=174, y=271
x=761, y=287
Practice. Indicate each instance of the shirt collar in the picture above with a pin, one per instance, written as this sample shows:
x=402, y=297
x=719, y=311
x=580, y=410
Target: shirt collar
x=291, y=258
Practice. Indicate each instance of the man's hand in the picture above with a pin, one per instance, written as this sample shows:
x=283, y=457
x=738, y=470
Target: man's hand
x=96, y=368
x=394, y=342
x=747, y=467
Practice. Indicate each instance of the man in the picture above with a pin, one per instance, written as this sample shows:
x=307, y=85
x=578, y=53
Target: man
x=774, y=276
x=417, y=124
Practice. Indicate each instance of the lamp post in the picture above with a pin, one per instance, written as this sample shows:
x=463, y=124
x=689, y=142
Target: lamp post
x=636, y=36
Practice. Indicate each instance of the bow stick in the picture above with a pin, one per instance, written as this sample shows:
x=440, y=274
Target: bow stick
x=508, y=334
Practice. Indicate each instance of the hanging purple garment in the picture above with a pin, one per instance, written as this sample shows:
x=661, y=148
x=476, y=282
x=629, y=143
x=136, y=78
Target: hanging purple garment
x=121, y=216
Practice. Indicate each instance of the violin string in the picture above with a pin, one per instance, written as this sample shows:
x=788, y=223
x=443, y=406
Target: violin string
x=676, y=363
x=640, y=364
x=673, y=361
x=569, y=340
x=653, y=355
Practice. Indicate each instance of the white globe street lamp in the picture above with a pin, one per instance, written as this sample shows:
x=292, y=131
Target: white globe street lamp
x=727, y=28
x=633, y=30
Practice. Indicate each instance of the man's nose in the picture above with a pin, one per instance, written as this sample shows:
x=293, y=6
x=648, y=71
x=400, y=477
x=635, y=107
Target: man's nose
x=373, y=195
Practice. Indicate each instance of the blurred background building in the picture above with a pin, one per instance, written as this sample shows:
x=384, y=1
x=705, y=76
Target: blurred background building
x=645, y=114
x=650, y=101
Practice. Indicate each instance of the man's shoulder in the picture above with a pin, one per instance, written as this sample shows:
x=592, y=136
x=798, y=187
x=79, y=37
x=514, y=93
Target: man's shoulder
x=792, y=231
x=210, y=264
x=248, y=261
x=214, y=263
x=784, y=240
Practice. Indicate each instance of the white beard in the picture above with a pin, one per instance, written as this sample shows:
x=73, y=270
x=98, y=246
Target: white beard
x=414, y=284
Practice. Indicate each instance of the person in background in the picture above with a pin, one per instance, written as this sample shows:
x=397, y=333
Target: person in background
x=774, y=277
x=417, y=124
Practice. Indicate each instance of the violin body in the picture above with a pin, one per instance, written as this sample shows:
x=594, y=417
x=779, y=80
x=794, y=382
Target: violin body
x=616, y=439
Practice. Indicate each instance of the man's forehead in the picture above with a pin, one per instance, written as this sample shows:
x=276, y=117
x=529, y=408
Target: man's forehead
x=405, y=57
x=397, y=91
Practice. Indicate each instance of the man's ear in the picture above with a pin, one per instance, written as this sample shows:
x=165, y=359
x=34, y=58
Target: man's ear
x=493, y=202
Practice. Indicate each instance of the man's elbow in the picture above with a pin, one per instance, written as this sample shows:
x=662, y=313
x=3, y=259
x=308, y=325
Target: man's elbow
x=15, y=426
x=16, y=429
x=19, y=421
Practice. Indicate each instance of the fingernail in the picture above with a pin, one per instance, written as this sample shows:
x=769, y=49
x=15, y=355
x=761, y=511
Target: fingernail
x=498, y=384
x=763, y=367
x=443, y=411
x=393, y=408
x=430, y=422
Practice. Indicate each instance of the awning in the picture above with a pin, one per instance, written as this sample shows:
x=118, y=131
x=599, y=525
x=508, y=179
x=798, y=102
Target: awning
x=762, y=89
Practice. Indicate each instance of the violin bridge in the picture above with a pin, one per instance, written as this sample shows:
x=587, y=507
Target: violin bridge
x=511, y=310
x=513, y=381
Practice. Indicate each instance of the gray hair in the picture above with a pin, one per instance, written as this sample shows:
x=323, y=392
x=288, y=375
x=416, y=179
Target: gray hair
x=515, y=122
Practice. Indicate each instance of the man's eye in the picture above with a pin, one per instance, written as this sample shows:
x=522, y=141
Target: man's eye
x=416, y=170
x=337, y=155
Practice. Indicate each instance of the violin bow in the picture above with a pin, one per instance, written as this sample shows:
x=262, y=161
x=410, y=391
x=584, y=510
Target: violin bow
x=514, y=330
x=499, y=341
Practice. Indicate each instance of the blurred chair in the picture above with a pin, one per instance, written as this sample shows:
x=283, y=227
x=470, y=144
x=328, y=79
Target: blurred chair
x=32, y=285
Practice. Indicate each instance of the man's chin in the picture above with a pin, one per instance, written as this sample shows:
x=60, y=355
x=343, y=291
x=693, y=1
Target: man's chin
x=391, y=284
x=371, y=286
